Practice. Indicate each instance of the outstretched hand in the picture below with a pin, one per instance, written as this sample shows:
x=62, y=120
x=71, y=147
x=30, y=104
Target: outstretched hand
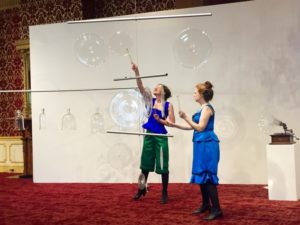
x=162, y=121
x=170, y=124
x=156, y=117
x=134, y=67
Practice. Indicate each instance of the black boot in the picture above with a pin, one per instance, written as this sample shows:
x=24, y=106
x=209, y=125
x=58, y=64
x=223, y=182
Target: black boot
x=142, y=192
x=164, y=197
x=205, y=201
x=165, y=182
x=139, y=194
x=214, y=215
x=202, y=209
x=216, y=211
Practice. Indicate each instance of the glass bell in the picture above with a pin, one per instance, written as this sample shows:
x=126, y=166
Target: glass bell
x=42, y=120
x=19, y=121
x=68, y=121
x=97, y=122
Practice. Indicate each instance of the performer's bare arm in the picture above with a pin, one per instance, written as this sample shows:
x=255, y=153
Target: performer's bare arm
x=205, y=114
x=171, y=117
x=139, y=80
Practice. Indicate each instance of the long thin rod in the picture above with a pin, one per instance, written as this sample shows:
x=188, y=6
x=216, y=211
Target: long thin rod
x=137, y=133
x=140, y=77
x=128, y=53
x=66, y=90
x=140, y=18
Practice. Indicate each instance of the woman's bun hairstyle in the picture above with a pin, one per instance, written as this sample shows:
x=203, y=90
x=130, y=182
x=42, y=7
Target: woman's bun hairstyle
x=206, y=90
x=208, y=85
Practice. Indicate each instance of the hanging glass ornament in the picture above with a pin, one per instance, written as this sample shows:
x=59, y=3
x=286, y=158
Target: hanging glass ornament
x=19, y=121
x=68, y=121
x=42, y=120
x=97, y=122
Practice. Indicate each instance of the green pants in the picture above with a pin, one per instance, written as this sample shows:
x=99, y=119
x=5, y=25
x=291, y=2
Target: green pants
x=155, y=154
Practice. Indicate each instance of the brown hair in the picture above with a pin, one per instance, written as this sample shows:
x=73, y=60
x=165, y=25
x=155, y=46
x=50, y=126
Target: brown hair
x=206, y=90
x=167, y=92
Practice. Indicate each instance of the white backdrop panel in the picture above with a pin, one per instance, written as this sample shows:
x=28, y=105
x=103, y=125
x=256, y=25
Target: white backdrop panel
x=253, y=67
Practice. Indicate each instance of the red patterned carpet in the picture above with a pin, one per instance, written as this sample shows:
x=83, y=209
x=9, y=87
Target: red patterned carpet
x=25, y=203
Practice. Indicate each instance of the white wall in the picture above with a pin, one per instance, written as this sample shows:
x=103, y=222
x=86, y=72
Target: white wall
x=253, y=67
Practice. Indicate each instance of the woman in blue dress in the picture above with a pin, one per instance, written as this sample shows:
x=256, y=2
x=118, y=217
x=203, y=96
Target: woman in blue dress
x=206, y=152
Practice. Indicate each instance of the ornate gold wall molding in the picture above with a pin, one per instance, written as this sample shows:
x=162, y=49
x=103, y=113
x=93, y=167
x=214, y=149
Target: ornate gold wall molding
x=23, y=47
x=6, y=4
x=10, y=138
x=11, y=154
x=3, y=155
x=22, y=44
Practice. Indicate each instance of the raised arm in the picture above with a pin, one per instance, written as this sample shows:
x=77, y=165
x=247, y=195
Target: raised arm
x=139, y=80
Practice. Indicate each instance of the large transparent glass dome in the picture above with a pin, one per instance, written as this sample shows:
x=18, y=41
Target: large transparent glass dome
x=147, y=98
x=128, y=108
x=90, y=49
x=120, y=43
x=192, y=48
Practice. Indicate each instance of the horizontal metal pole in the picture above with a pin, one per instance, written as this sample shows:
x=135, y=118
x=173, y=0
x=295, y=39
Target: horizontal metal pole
x=141, y=18
x=66, y=90
x=137, y=133
x=140, y=77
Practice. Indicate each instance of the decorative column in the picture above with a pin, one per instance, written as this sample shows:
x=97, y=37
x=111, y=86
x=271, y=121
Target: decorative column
x=23, y=47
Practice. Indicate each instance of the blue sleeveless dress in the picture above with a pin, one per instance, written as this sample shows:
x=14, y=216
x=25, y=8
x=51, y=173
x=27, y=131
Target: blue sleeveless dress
x=206, y=152
x=152, y=125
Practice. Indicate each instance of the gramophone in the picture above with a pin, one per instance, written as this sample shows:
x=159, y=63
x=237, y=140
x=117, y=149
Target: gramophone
x=283, y=138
